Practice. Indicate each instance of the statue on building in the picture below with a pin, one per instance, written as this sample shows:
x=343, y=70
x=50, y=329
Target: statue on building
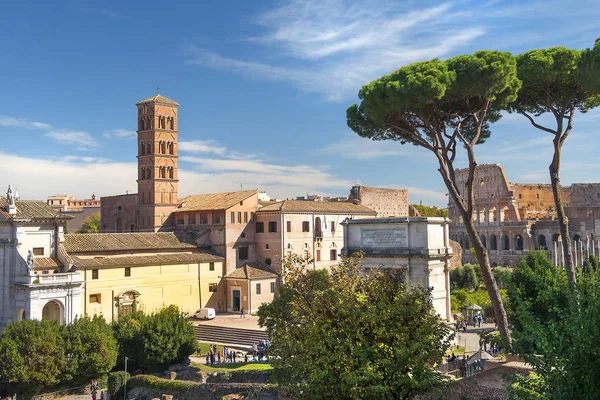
x=10, y=198
x=30, y=262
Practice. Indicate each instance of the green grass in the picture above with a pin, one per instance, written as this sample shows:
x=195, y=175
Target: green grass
x=458, y=351
x=249, y=366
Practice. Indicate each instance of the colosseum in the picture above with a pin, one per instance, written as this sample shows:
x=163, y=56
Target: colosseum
x=513, y=218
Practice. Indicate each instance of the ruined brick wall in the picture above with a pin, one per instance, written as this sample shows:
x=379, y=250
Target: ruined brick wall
x=386, y=202
x=119, y=213
x=534, y=201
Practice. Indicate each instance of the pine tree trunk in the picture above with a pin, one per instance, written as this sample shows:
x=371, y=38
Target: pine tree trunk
x=562, y=219
x=488, y=278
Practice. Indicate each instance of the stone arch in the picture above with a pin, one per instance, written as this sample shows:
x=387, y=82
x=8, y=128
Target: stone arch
x=268, y=261
x=492, y=214
x=483, y=241
x=53, y=311
x=556, y=237
x=505, y=242
x=542, y=242
x=493, y=242
x=20, y=314
x=505, y=214
x=576, y=238
x=127, y=302
x=119, y=225
x=518, y=242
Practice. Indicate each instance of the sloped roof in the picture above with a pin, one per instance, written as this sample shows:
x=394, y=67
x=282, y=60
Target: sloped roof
x=214, y=201
x=157, y=99
x=155, y=259
x=46, y=262
x=252, y=270
x=325, y=207
x=29, y=209
x=98, y=242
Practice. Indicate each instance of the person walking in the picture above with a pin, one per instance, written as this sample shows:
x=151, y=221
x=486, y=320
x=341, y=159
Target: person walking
x=242, y=314
x=93, y=388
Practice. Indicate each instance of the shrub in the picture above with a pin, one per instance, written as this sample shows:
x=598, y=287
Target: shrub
x=116, y=381
x=150, y=381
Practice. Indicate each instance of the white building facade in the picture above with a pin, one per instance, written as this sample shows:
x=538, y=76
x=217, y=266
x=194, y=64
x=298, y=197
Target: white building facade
x=420, y=244
x=34, y=283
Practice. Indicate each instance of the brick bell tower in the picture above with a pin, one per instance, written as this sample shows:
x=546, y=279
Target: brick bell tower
x=157, y=162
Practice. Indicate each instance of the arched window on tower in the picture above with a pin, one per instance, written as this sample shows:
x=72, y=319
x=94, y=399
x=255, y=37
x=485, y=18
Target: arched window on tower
x=170, y=172
x=518, y=242
x=142, y=149
x=171, y=148
x=148, y=148
x=172, y=123
x=141, y=125
x=162, y=123
x=163, y=148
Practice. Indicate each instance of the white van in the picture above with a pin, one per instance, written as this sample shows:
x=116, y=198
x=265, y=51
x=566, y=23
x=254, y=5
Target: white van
x=205, y=313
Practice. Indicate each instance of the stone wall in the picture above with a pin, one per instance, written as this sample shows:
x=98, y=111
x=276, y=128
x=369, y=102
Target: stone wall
x=114, y=207
x=387, y=202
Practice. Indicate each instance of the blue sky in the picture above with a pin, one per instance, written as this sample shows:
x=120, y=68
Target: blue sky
x=263, y=88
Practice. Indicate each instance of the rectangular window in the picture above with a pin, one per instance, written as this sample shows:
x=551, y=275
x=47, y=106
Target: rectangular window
x=233, y=217
x=333, y=255
x=305, y=226
x=180, y=220
x=192, y=219
x=288, y=226
x=251, y=217
x=211, y=266
x=204, y=219
x=273, y=226
x=332, y=226
x=38, y=251
x=243, y=253
x=239, y=217
x=272, y=287
x=258, y=288
x=260, y=227
x=96, y=298
x=94, y=274
x=318, y=255
x=127, y=271
x=216, y=218
x=212, y=287
x=45, y=272
x=245, y=217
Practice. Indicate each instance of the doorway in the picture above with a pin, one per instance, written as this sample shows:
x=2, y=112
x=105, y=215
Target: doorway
x=236, y=299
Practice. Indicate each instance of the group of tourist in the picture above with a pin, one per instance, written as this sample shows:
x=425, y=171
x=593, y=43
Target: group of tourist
x=463, y=325
x=215, y=357
x=260, y=350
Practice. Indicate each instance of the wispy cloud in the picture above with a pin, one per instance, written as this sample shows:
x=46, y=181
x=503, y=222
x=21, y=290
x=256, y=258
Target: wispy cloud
x=106, y=13
x=119, y=134
x=22, y=123
x=78, y=138
x=335, y=46
x=202, y=146
x=364, y=149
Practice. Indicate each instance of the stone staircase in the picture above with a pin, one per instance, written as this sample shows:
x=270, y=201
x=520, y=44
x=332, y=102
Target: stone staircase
x=235, y=337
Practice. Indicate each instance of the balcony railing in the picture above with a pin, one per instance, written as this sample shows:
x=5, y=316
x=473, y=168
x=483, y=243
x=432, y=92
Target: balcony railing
x=57, y=278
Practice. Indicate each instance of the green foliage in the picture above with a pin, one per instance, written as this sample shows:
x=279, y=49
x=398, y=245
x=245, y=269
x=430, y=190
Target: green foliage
x=427, y=211
x=556, y=328
x=91, y=224
x=32, y=355
x=502, y=276
x=156, y=340
x=465, y=277
x=116, y=382
x=591, y=263
x=152, y=382
x=92, y=348
x=353, y=333
x=462, y=298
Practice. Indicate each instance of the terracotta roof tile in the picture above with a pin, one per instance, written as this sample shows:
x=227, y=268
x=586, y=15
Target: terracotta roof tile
x=325, y=207
x=98, y=242
x=157, y=99
x=252, y=270
x=155, y=259
x=214, y=201
x=46, y=262
x=29, y=209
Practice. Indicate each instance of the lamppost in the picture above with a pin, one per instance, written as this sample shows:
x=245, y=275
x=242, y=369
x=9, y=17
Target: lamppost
x=125, y=384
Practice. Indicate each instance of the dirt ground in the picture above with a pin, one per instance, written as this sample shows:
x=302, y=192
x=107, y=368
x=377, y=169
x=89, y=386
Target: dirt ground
x=233, y=320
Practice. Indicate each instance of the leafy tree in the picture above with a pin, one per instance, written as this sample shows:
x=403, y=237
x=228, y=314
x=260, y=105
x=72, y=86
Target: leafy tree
x=470, y=280
x=559, y=82
x=353, y=333
x=154, y=341
x=502, y=275
x=427, y=211
x=91, y=224
x=556, y=329
x=92, y=348
x=441, y=106
x=32, y=356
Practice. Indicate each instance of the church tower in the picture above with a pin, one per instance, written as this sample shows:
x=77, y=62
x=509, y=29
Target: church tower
x=157, y=162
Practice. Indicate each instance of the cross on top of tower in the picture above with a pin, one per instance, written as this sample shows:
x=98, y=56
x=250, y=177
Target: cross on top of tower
x=157, y=90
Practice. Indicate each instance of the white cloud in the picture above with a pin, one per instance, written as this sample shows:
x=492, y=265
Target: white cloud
x=202, y=146
x=336, y=46
x=365, y=149
x=429, y=197
x=22, y=123
x=80, y=138
x=119, y=134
